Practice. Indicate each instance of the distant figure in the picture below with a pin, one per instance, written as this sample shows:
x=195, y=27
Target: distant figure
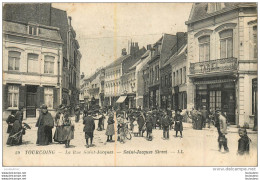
x=178, y=122
x=10, y=121
x=77, y=113
x=89, y=128
x=243, y=142
x=45, y=124
x=205, y=117
x=149, y=126
x=166, y=122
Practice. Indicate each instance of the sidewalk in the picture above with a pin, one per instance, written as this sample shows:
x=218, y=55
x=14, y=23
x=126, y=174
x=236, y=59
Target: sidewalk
x=231, y=129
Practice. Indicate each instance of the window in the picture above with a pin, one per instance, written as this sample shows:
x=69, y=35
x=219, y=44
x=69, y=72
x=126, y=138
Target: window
x=14, y=60
x=255, y=41
x=32, y=62
x=174, y=82
x=204, y=48
x=226, y=43
x=157, y=73
x=75, y=58
x=32, y=30
x=166, y=80
x=49, y=64
x=177, y=77
x=215, y=100
x=254, y=96
x=161, y=81
x=180, y=76
x=13, y=96
x=48, y=97
x=184, y=74
x=170, y=79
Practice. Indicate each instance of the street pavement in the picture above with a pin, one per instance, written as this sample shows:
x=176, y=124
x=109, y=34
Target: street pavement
x=196, y=148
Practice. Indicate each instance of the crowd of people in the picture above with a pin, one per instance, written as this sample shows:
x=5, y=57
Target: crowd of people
x=137, y=121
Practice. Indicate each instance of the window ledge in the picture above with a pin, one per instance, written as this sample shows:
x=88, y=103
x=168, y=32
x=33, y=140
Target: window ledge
x=12, y=108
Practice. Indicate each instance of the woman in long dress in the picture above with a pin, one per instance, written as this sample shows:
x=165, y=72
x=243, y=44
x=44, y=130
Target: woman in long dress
x=110, y=128
x=59, y=120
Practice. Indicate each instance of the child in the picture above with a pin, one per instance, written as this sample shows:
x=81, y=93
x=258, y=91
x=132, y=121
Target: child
x=135, y=128
x=243, y=142
x=178, y=122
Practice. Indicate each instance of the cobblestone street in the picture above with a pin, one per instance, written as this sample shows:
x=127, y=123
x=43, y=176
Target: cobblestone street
x=196, y=148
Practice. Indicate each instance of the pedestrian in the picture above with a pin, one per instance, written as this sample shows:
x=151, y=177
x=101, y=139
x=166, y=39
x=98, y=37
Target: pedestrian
x=205, y=116
x=221, y=124
x=89, y=127
x=110, y=127
x=100, y=121
x=154, y=118
x=19, y=114
x=16, y=134
x=243, y=142
x=140, y=122
x=149, y=126
x=166, y=122
x=77, y=113
x=58, y=122
x=68, y=131
x=178, y=122
x=45, y=124
x=10, y=121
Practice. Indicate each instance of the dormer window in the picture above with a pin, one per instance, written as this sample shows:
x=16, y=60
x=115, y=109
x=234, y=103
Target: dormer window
x=32, y=30
x=213, y=7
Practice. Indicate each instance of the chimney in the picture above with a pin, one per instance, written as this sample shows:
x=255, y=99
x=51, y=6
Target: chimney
x=149, y=47
x=124, y=52
x=69, y=20
x=82, y=75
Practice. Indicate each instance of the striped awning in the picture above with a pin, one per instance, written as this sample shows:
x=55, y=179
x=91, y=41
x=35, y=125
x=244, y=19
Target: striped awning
x=217, y=81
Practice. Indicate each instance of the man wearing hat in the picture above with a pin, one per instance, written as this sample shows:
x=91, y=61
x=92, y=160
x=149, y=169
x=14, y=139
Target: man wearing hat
x=45, y=124
x=178, y=122
x=89, y=128
x=166, y=122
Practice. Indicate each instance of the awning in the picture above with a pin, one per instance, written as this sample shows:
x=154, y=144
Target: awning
x=121, y=99
x=218, y=81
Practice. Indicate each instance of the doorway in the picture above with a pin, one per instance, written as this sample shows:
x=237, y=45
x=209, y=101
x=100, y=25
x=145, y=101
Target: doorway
x=31, y=101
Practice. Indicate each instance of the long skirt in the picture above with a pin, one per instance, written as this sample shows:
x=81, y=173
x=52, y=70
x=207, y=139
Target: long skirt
x=68, y=132
x=178, y=126
x=16, y=140
x=44, y=134
x=110, y=130
x=135, y=129
x=58, y=135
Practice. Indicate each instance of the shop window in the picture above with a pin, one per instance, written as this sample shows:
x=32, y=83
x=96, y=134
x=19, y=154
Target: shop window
x=48, y=64
x=255, y=41
x=14, y=60
x=204, y=48
x=226, y=43
x=13, y=96
x=48, y=97
x=32, y=62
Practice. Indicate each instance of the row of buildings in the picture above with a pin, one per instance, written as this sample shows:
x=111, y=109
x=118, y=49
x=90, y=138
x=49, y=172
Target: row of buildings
x=213, y=64
x=41, y=59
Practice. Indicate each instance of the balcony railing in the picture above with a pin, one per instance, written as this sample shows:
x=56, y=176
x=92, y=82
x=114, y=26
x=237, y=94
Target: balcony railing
x=219, y=65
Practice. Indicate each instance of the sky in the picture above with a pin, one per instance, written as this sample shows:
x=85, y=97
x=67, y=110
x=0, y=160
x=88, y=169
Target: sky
x=104, y=29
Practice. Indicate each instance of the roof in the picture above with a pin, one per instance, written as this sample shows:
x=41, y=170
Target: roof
x=118, y=61
x=200, y=10
x=182, y=53
x=45, y=32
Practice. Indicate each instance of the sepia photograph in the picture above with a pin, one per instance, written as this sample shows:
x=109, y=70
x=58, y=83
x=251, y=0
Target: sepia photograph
x=130, y=84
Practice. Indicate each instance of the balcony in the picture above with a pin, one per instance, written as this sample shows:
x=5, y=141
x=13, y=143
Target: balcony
x=227, y=65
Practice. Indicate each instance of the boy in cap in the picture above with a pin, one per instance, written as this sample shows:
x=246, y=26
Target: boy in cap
x=243, y=142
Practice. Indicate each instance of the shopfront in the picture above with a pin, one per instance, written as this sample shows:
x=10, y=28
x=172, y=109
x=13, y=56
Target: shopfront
x=217, y=94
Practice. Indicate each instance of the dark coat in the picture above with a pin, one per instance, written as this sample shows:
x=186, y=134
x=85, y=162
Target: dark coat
x=149, y=124
x=17, y=140
x=178, y=122
x=89, y=123
x=243, y=145
x=166, y=121
x=140, y=122
x=10, y=120
x=45, y=124
x=19, y=115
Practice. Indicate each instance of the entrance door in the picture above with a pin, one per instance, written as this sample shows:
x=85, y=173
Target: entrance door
x=31, y=101
x=228, y=105
x=215, y=100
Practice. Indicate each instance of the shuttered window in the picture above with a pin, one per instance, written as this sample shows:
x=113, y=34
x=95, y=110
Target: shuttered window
x=48, y=64
x=226, y=43
x=14, y=60
x=32, y=62
x=13, y=96
x=204, y=48
x=48, y=97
